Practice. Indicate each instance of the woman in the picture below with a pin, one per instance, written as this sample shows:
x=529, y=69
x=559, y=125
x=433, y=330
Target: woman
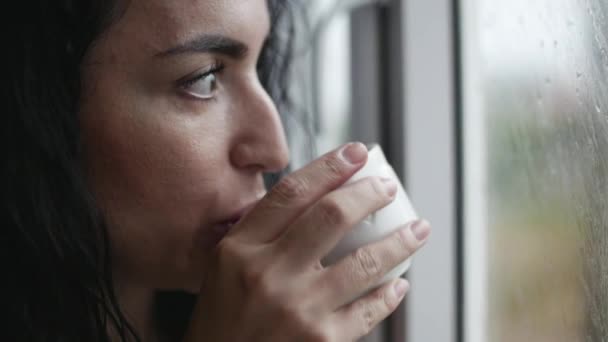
x=137, y=135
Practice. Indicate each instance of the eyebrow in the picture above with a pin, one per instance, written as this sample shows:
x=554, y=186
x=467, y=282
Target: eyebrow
x=207, y=43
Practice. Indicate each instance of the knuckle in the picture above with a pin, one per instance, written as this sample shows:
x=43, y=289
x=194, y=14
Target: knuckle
x=378, y=188
x=306, y=328
x=368, y=317
x=255, y=280
x=332, y=212
x=293, y=318
x=332, y=167
x=315, y=333
x=403, y=243
x=290, y=189
x=253, y=277
x=292, y=315
x=227, y=251
x=368, y=263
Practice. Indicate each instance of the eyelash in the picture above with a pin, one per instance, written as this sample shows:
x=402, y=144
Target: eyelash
x=215, y=68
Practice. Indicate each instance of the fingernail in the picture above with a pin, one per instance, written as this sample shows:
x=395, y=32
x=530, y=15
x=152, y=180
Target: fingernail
x=391, y=185
x=421, y=229
x=354, y=153
x=400, y=288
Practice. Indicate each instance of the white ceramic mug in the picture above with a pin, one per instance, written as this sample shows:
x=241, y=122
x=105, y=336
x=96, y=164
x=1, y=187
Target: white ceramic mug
x=383, y=222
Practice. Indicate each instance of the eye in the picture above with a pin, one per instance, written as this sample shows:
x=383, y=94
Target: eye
x=204, y=84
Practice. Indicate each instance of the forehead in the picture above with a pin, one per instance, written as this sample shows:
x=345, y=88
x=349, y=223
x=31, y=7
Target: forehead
x=158, y=24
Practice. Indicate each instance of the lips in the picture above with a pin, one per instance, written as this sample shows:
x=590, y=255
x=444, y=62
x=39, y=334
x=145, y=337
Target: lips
x=223, y=226
x=238, y=214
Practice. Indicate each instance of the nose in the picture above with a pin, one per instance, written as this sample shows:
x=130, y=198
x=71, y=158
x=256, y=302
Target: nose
x=260, y=143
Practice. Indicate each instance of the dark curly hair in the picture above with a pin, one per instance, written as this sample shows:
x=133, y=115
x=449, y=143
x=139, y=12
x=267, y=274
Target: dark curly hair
x=58, y=282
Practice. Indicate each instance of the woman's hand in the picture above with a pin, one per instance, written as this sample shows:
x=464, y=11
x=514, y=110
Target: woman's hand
x=266, y=281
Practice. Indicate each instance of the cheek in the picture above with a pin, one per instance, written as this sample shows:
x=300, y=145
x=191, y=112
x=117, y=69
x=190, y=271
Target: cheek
x=160, y=168
x=155, y=177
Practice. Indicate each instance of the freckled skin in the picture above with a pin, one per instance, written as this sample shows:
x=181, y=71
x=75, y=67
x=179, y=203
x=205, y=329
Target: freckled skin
x=165, y=167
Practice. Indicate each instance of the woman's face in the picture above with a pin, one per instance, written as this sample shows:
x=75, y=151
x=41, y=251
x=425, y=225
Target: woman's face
x=178, y=131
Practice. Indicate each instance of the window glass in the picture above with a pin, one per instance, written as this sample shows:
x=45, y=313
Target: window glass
x=321, y=80
x=535, y=137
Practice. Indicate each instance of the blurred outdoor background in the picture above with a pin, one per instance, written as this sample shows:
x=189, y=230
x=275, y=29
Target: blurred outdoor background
x=495, y=113
x=542, y=68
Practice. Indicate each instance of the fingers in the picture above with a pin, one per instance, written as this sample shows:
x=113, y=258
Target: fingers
x=298, y=191
x=358, y=271
x=319, y=229
x=360, y=317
